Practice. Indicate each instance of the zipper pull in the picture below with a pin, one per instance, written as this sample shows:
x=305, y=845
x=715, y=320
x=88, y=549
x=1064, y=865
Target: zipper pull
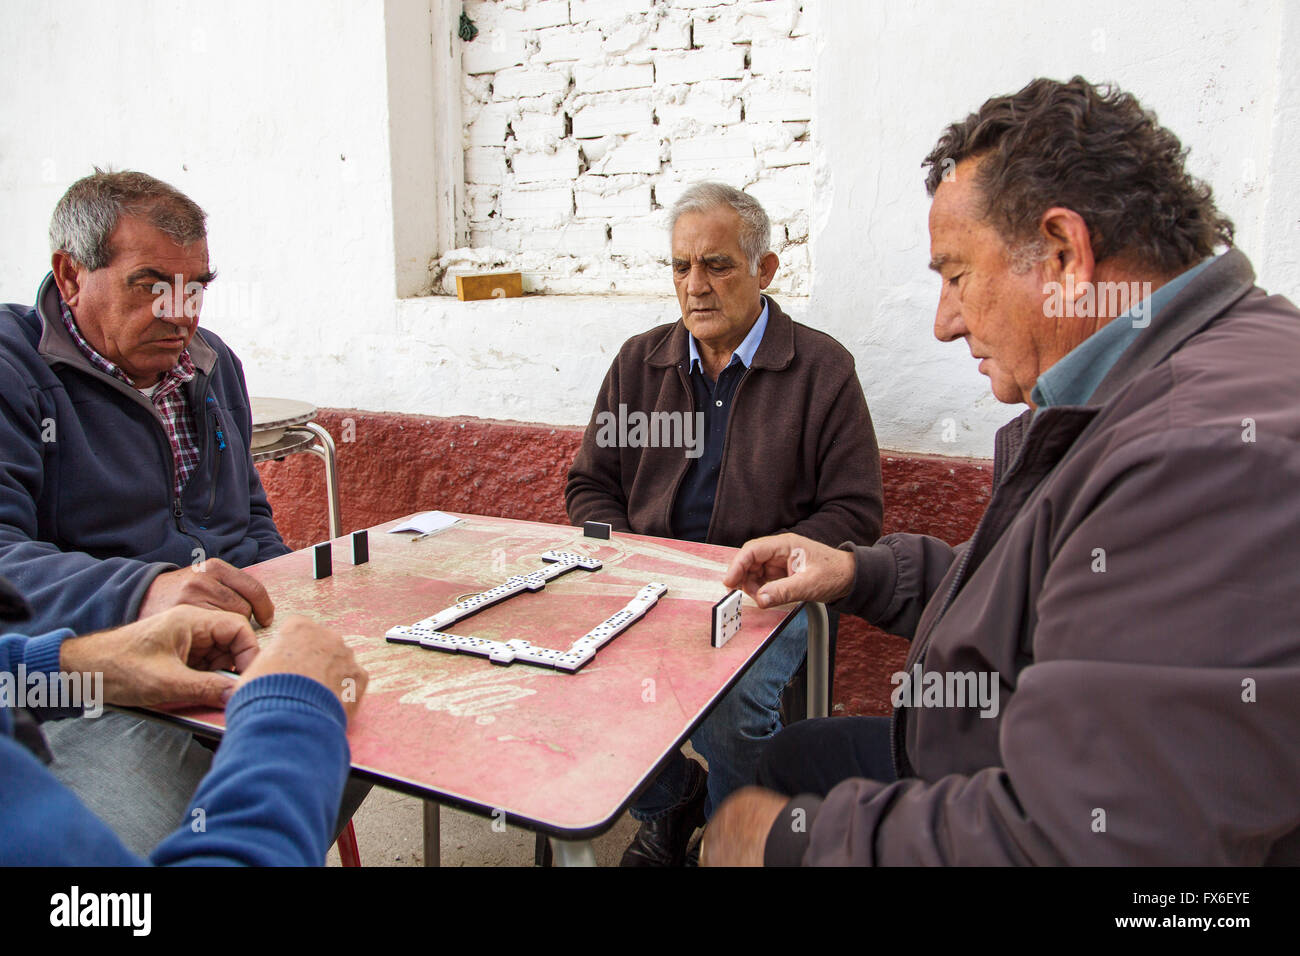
x=176, y=508
x=221, y=438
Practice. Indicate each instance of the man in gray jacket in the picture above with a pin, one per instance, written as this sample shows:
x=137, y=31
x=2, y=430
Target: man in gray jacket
x=1108, y=672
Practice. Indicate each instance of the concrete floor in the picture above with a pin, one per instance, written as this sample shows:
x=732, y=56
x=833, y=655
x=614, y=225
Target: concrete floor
x=390, y=832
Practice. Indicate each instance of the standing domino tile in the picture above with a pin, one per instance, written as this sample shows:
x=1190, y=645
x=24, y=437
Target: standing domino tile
x=726, y=618
x=360, y=547
x=597, y=529
x=322, y=565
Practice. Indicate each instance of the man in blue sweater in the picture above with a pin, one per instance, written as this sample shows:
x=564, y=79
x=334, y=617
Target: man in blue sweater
x=126, y=483
x=274, y=787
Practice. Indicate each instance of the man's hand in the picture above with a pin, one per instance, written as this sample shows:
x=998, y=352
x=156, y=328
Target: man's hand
x=737, y=834
x=307, y=648
x=212, y=583
x=167, y=658
x=785, y=568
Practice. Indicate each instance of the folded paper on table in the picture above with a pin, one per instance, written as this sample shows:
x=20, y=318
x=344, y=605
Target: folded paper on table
x=426, y=522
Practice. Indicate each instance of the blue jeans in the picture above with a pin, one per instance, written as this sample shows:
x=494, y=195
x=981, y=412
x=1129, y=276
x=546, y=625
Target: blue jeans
x=732, y=738
x=139, y=777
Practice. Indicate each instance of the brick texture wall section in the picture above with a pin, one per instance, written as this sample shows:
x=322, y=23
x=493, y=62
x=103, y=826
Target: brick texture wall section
x=395, y=465
x=600, y=112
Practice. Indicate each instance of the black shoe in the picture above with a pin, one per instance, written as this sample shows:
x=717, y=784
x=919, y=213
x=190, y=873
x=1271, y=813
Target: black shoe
x=662, y=841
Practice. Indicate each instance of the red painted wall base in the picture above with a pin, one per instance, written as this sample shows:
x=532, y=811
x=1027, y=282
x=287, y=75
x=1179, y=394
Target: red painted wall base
x=391, y=465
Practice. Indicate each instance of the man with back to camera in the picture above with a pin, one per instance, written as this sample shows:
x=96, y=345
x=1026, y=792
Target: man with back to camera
x=272, y=794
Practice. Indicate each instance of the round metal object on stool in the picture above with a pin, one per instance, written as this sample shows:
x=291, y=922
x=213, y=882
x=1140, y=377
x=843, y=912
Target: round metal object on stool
x=272, y=416
x=291, y=441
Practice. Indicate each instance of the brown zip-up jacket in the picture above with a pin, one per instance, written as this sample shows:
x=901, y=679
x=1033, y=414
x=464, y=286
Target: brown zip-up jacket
x=1135, y=583
x=799, y=455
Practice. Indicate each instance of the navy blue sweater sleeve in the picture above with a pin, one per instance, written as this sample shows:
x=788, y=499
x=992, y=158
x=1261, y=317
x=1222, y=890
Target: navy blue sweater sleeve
x=271, y=797
x=65, y=588
x=24, y=656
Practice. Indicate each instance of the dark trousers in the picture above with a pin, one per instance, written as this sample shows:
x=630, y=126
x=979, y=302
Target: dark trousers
x=813, y=756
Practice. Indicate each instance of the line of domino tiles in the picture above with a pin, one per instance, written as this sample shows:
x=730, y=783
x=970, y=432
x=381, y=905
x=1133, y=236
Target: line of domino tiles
x=428, y=633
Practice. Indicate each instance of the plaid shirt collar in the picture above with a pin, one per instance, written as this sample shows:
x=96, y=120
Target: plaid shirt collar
x=177, y=375
x=167, y=398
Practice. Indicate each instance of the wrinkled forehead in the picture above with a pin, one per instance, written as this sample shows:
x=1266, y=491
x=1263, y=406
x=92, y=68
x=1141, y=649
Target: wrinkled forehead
x=958, y=198
x=712, y=231
x=136, y=243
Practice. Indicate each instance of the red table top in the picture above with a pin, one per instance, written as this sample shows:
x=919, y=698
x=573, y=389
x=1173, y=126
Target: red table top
x=564, y=753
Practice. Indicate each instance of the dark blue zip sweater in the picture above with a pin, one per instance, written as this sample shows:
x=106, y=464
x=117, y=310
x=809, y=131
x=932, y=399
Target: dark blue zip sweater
x=88, y=515
x=271, y=797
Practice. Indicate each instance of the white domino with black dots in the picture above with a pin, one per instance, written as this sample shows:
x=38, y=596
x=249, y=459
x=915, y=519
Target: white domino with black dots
x=726, y=618
x=429, y=632
x=559, y=562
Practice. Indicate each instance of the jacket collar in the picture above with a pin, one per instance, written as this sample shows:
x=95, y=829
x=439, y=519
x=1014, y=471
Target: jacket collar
x=1211, y=293
x=775, y=352
x=1207, y=296
x=56, y=345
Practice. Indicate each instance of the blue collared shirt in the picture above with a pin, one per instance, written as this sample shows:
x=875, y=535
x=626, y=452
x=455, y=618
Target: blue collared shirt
x=693, y=506
x=744, y=351
x=1073, y=379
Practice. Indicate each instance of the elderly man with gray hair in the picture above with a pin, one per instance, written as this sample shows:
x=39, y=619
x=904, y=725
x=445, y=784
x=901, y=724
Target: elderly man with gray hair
x=126, y=483
x=785, y=444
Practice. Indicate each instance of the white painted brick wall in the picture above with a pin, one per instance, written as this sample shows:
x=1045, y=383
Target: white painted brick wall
x=695, y=66
x=537, y=202
x=539, y=167
x=611, y=201
x=492, y=51
x=543, y=127
x=630, y=156
x=586, y=119
x=564, y=43
x=574, y=239
x=718, y=151
x=521, y=81
x=604, y=79
x=638, y=239
x=612, y=115
x=604, y=11
x=785, y=54
x=485, y=164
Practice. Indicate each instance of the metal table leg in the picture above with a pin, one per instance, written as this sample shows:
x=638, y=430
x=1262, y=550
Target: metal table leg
x=432, y=834
x=573, y=852
x=324, y=448
x=819, y=651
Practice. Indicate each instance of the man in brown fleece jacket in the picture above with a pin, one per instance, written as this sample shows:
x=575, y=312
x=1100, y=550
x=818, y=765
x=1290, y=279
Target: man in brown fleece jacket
x=767, y=430
x=1108, y=672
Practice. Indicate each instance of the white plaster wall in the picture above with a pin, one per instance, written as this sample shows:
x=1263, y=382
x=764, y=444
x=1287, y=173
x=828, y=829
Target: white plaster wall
x=270, y=115
x=275, y=117
x=890, y=76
